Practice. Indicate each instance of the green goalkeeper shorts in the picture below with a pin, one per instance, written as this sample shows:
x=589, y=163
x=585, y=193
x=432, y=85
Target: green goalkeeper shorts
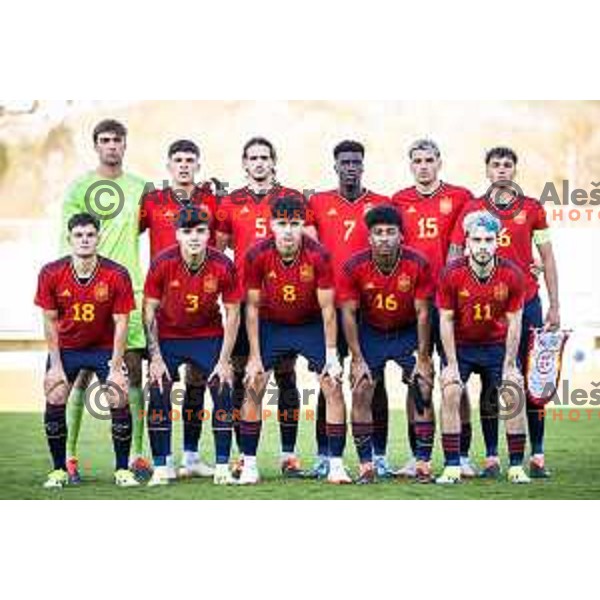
x=136, y=336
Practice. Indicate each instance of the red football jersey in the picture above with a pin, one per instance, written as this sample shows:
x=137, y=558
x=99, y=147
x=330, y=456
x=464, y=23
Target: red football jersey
x=289, y=292
x=85, y=310
x=341, y=225
x=386, y=301
x=189, y=302
x=161, y=208
x=429, y=221
x=516, y=238
x=246, y=218
x=480, y=307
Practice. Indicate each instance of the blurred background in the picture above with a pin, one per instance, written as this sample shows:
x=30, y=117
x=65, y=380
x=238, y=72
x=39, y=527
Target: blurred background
x=44, y=145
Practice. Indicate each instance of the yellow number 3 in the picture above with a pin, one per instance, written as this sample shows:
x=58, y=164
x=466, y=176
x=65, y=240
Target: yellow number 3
x=193, y=303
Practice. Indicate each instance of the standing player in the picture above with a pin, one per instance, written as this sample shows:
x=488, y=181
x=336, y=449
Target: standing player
x=242, y=220
x=184, y=326
x=480, y=299
x=429, y=211
x=86, y=301
x=336, y=219
x=115, y=197
x=523, y=224
x=291, y=312
x=391, y=286
x=159, y=212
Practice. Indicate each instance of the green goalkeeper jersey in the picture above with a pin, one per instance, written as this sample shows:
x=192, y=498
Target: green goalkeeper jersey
x=120, y=227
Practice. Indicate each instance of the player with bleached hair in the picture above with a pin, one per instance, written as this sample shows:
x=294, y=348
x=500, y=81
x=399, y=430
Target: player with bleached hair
x=481, y=300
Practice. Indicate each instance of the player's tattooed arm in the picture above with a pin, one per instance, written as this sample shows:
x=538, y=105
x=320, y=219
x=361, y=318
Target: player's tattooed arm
x=551, y=276
x=151, y=307
x=513, y=339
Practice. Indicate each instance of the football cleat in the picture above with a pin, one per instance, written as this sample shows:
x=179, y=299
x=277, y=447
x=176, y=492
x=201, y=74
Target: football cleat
x=73, y=471
x=160, y=477
x=291, y=468
x=367, y=475
x=409, y=470
x=338, y=476
x=424, y=473
x=126, y=479
x=223, y=476
x=491, y=470
x=467, y=469
x=383, y=469
x=57, y=480
x=141, y=468
x=450, y=476
x=537, y=468
x=320, y=469
x=249, y=476
x=196, y=470
x=518, y=476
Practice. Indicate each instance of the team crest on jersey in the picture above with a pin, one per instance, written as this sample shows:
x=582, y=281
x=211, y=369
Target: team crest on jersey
x=307, y=273
x=501, y=292
x=521, y=218
x=446, y=205
x=211, y=284
x=404, y=283
x=66, y=294
x=101, y=292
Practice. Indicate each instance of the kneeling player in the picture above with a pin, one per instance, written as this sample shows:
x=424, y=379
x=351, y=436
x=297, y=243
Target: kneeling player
x=184, y=326
x=481, y=305
x=391, y=285
x=86, y=300
x=291, y=312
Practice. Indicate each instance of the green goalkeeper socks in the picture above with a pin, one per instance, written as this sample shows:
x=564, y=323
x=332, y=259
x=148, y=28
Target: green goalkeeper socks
x=75, y=410
x=136, y=404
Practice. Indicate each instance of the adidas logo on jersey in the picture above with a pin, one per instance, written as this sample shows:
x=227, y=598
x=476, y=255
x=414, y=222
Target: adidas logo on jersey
x=332, y=213
x=464, y=294
x=66, y=294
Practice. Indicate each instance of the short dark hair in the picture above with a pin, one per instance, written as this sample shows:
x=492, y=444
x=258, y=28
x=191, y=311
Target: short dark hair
x=501, y=152
x=109, y=126
x=289, y=207
x=193, y=216
x=260, y=141
x=384, y=214
x=83, y=220
x=348, y=146
x=186, y=146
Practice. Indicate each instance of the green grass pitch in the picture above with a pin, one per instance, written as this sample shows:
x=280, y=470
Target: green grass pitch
x=24, y=461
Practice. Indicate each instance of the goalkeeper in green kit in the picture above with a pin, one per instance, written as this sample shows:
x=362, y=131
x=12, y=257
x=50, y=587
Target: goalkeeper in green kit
x=114, y=197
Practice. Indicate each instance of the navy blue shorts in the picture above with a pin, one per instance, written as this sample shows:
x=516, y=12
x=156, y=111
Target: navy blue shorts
x=379, y=347
x=93, y=360
x=533, y=318
x=487, y=361
x=203, y=353
x=279, y=341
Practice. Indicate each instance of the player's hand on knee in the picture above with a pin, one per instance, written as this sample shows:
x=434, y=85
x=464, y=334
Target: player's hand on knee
x=360, y=373
x=158, y=372
x=56, y=386
x=333, y=367
x=450, y=376
x=222, y=376
x=255, y=372
x=424, y=369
